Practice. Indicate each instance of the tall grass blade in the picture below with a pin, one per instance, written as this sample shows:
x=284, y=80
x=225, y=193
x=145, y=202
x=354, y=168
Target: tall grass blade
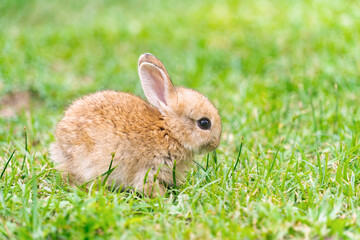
x=7, y=163
x=238, y=156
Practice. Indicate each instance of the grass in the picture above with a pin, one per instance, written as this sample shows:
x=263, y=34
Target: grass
x=284, y=76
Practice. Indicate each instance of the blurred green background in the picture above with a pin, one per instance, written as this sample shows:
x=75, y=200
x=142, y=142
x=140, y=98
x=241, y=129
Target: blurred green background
x=249, y=57
x=276, y=70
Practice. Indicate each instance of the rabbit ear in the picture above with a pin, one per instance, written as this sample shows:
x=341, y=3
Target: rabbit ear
x=149, y=58
x=155, y=81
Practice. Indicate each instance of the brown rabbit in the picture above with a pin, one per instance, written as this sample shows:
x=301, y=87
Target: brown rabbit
x=142, y=139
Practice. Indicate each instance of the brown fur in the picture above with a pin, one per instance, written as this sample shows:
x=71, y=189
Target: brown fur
x=143, y=138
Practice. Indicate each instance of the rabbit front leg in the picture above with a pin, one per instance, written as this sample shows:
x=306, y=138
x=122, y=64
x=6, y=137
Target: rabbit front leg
x=148, y=183
x=153, y=188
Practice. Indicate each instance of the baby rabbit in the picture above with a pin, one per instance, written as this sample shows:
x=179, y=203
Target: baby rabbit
x=143, y=139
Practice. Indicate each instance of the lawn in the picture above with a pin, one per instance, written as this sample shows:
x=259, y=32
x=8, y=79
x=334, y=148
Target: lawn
x=284, y=75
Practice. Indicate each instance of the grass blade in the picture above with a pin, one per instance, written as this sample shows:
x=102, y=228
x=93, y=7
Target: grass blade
x=109, y=171
x=7, y=163
x=26, y=149
x=238, y=156
x=174, y=173
x=274, y=159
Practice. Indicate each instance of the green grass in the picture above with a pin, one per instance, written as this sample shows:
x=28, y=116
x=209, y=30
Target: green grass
x=284, y=75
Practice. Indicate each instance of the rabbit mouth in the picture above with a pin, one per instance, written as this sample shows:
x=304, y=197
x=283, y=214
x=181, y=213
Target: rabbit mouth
x=207, y=148
x=212, y=146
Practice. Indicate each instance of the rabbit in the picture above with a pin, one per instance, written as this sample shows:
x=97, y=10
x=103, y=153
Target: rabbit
x=142, y=139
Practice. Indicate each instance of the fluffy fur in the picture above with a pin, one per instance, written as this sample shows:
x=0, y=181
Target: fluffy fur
x=144, y=138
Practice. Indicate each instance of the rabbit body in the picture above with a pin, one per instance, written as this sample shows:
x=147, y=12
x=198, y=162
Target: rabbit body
x=143, y=140
x=100, y=125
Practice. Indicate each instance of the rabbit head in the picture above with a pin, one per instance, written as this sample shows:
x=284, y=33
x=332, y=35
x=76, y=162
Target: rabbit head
x=191, y=117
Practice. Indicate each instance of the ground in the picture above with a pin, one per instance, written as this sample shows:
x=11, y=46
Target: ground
x=284, y=75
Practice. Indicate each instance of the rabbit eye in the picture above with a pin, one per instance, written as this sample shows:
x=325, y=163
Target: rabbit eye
x=204, y=123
